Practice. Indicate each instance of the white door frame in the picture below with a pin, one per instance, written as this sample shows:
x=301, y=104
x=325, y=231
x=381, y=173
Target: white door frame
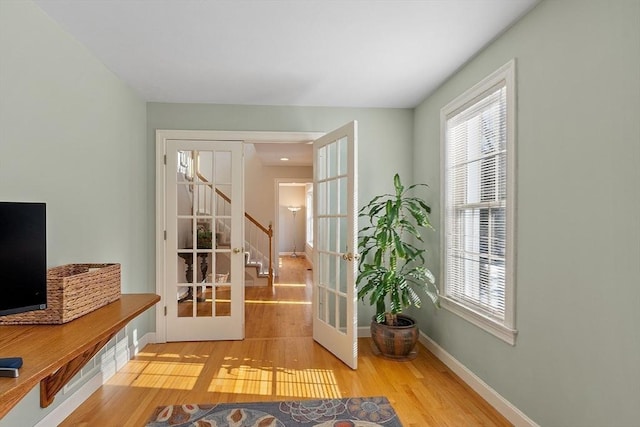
x=197, y=135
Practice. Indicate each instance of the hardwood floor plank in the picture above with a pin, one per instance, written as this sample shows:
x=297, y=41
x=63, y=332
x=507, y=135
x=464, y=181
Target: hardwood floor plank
x=277, y=361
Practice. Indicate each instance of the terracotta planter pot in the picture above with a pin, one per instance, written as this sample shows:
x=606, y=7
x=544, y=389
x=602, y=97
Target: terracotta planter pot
x=395, y=342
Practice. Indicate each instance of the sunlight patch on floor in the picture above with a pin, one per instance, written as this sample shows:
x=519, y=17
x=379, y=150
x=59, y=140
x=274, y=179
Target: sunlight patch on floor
x=167, y=375
x=151, y=354
x=290, y=285
x=233, y=376
x=307, y=383
x=266, y=381
x=251, y=301
x=242, y=380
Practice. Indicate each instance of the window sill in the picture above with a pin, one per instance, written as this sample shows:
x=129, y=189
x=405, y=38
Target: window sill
x=496, y=329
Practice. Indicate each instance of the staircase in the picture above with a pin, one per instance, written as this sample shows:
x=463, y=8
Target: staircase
x=258, y=243
x=258, y=267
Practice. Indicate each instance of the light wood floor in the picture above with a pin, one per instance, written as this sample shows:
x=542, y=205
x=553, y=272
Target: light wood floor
x=279, y=360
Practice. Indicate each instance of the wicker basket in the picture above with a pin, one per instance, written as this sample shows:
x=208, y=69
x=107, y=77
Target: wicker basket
x=73, y=290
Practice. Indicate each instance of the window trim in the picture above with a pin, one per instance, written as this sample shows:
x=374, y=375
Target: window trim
x=505, y=330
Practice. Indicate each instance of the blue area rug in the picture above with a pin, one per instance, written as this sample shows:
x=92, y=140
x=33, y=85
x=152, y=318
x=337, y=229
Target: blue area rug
x=350, y=412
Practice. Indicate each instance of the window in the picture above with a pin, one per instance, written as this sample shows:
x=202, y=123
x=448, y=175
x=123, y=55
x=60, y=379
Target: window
x=478, y=200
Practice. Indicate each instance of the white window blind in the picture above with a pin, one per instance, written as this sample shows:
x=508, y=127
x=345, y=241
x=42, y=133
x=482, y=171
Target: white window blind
x=476, y=206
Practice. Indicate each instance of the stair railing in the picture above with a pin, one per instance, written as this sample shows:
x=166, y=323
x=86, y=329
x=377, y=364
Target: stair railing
x=258, y=238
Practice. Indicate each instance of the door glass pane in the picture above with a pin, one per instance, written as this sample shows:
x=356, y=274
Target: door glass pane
x=205, y=166
x=205, y=235
x=223, y=233
x=321, y=164
x=184, y=267
x=331, y=307
x=322, y=198
x=321, y=304
x=342, y=310
x=221, y=206
x=222, y=278
x=203, y=202
x=342, y=196
x=222, y=166
x=332, y=272
x=204, y=303
x=342, y=234
x=342, y=154
x=184, y=193
x=223, y=200
x=185, y=301
x=333, y=197
x=333, y=235
x=322, y=227
x=342, y=281
x=203, y=268
x=185, y=233
x=323, y=268
x=222, y=267
x=333, y=160
x=222, y=301
x=185, y=166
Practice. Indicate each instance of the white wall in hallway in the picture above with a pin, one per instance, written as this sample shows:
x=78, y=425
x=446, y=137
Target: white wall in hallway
x=291, y=196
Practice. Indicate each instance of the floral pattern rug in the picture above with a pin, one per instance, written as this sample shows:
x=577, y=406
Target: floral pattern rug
x=350, y=412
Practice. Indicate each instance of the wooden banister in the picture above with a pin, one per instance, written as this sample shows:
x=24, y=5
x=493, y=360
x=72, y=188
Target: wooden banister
x=254, y=221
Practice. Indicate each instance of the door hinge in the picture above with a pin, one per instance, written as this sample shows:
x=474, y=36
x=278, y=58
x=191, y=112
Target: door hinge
x=165, y=234
x=165, y=310
x=165, y=159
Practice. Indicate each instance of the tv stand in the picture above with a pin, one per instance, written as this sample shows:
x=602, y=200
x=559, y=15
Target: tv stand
x=53, y=354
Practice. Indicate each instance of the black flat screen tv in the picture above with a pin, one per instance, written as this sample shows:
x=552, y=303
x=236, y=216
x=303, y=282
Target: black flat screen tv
x=23, y=257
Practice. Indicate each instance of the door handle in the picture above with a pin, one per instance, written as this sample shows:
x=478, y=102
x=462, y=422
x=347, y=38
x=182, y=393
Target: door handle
x=237, y=250
x=350, y=257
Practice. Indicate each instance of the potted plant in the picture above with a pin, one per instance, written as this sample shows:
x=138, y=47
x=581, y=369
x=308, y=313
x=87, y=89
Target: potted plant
x=204, y=237
x=391, y=267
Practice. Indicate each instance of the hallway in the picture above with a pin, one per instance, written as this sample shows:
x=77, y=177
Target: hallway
x=285, y=309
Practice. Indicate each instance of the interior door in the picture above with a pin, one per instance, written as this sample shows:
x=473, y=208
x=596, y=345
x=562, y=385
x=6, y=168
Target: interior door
x=204, y=278
x=335, y=242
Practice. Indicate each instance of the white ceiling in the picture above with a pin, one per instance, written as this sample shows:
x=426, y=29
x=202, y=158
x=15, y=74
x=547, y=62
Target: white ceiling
x=352, y=53
x=298, y=154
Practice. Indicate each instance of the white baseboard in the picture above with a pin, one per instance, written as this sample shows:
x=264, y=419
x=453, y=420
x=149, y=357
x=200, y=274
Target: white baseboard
x=364, y=331
x=70, y=404
x=502, y=405
x=289, y=254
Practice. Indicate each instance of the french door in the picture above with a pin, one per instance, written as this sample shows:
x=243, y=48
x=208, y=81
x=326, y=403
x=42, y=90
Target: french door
x=335, y=243
x=204, y=259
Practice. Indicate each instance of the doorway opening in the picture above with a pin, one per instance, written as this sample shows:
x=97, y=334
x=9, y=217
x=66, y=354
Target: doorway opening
x=334, y=170
x=293, y=218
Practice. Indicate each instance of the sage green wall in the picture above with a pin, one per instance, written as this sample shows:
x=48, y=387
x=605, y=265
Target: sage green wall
x=385, y=138
x=576, y=359
x=72, y=135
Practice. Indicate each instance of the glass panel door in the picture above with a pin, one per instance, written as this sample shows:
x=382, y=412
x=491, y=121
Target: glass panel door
x=335, y=243
x=205, y=281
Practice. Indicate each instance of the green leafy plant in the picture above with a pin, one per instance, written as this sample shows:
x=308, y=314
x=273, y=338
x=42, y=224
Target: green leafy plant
x=391, y=267
x=204, y=238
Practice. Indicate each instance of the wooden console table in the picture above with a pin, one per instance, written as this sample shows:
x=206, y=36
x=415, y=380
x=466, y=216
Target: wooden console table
x=53, y=354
